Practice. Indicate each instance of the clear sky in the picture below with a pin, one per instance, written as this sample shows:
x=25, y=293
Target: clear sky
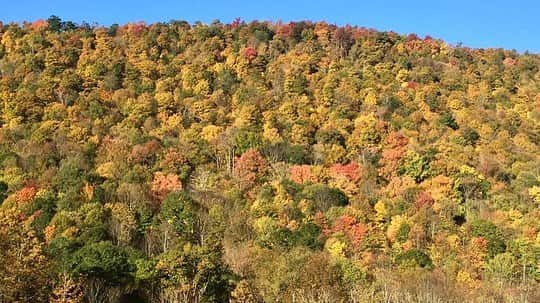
x=476, y=23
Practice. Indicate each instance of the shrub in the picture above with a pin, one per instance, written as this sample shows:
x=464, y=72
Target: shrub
x=414, y=257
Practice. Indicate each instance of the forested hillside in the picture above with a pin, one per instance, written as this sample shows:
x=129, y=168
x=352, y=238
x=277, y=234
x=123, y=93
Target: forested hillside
x=265, y=162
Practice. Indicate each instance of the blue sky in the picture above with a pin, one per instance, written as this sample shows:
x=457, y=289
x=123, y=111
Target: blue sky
x=494, y=23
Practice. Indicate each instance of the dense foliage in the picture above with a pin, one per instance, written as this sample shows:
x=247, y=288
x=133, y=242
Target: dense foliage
x=265, y=162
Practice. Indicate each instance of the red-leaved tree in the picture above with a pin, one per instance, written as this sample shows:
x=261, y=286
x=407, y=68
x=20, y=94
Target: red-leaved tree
x=423, y=199
x=301, y=174
x=348, y=225
x=249, y=167
x=350, y=171
x=395, y=150
x=163, y=184
x=250, y=53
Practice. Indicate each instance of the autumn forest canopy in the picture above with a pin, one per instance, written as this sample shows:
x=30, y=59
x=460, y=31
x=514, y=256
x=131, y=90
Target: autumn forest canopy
x=265, y=162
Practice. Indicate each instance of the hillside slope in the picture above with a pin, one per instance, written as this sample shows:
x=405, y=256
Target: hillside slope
x=265, y=162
